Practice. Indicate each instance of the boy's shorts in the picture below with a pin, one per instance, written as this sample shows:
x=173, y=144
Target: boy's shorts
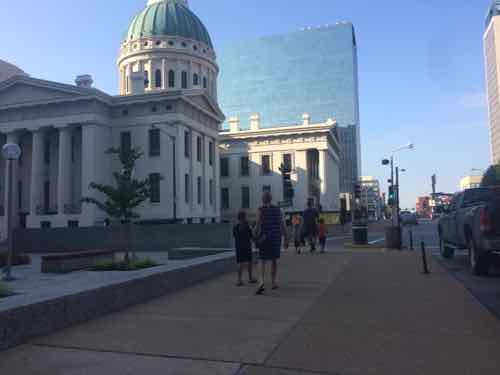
x=322, y=241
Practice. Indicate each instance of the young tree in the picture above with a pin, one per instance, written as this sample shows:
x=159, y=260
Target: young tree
x=127, y=193
x=492, y=176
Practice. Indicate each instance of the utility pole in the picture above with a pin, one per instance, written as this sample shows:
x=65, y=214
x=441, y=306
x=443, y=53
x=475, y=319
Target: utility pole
x=397, y=196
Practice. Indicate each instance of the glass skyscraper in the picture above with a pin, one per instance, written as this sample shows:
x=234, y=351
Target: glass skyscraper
x=281, y=77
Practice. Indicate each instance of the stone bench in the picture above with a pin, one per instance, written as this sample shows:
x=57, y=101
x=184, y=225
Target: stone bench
x=69, y=262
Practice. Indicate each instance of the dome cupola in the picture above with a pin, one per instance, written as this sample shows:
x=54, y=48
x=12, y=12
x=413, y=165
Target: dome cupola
x=167, y=47
x=168, y=18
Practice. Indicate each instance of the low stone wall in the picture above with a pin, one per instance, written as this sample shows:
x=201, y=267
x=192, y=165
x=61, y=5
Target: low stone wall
x=186, y=253
x=119, y=238
x=18, y=325
x=75, y=261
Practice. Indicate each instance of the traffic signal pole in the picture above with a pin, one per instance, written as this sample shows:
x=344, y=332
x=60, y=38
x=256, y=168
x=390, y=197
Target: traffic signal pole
x=397, y=196
x=393, y=206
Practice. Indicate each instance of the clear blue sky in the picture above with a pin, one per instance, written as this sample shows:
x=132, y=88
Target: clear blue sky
x=421, y=66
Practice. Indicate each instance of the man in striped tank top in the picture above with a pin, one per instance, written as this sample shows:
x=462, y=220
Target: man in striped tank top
x=270, y=229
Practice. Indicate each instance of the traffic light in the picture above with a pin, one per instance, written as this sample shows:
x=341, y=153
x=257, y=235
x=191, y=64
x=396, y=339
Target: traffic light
x=391, y=198
x=357, y=191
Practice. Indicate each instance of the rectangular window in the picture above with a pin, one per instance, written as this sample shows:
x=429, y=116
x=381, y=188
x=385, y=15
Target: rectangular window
x=125, y=141
x=73, y=224
x=245, y=197
x=73, y=148
x=266, y=165
x=46, y=155
x=225, y=198
x=154, y=142
x=224, y=167
x=187, y=144
x=19, y=195
x=287, y=163
x=245, y=166
x=46, y=197
x=211, y=192
x=198, y=149
x=186, y=188
x=211, y=152
x=200, y=190
x=155, y=187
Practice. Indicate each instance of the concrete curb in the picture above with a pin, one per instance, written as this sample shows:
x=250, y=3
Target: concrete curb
x=20, y=324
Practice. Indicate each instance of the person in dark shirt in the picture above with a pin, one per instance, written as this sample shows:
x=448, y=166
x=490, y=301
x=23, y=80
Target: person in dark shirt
x=243, y=241
x=310, y=218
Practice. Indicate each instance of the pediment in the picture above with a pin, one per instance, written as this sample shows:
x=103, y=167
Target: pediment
x=203, y=102
x=24, y=92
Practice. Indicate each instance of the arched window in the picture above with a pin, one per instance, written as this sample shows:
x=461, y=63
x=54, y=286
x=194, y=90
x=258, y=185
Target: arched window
x=184, y=80
x=196, y=80
x=146, y=79
x=205, y=84
x=158, y=78
x=171, y=78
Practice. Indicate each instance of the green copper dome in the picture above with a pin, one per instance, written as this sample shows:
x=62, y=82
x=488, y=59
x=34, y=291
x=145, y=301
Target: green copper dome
x=168, y=17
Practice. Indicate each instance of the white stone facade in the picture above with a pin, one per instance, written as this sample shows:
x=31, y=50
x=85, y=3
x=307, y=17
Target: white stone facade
x=167, y=108
x=313, y=151
x=64, y=131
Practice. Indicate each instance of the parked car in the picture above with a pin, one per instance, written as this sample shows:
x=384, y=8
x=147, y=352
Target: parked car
x=408, y=218
x=472, y=221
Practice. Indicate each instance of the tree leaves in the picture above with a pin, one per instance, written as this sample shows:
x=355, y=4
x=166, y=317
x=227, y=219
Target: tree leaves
x=492, y=176
x=127, y=193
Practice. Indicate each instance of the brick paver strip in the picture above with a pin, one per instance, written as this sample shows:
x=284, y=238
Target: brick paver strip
x=344, y=313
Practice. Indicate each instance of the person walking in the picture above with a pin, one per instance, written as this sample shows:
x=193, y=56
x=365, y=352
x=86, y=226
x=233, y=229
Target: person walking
x=322, y=235
x=297, y=233
x=310, y=218
x=243, y=235
x=270, y=229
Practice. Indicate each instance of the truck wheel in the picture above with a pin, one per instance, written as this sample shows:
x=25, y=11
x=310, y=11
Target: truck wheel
x=479, y=263
x=445, y=250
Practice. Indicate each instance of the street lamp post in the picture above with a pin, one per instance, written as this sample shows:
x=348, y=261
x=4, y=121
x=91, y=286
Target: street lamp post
x=11, y=152
x=395, y=189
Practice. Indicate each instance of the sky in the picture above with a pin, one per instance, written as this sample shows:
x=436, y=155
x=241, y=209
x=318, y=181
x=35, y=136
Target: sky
x=421, y=67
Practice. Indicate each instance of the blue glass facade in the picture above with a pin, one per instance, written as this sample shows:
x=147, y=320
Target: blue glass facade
x=283, y=76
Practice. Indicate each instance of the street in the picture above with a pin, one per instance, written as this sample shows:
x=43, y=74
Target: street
x=485, y=289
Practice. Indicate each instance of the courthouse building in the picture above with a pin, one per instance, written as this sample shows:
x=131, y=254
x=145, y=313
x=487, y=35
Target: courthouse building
x=295, y=163
x=167, y=107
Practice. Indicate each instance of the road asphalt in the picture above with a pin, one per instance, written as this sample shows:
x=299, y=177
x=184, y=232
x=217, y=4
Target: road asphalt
x=345, y=312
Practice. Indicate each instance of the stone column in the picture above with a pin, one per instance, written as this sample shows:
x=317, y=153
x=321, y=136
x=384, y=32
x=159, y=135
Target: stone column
x=64, y=170
x=90, y=157
x=164, y=74
x=217, y=179
x=37, y=171
x=322, y=175
x=190, y=75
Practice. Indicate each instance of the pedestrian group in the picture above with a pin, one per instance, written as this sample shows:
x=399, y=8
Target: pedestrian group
x=270, y=234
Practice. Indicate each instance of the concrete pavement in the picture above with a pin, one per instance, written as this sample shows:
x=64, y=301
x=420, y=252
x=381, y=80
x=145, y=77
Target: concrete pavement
x=368, y=312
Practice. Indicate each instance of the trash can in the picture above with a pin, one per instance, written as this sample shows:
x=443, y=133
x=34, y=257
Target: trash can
x=360, y=234
x=393, y=238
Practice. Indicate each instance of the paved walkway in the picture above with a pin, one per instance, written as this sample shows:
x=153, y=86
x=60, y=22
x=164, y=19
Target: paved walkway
x=339, y=313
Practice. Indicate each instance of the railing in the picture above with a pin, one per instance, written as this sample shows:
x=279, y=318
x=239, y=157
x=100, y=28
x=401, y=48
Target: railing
x=72, y=209
x=43, y=211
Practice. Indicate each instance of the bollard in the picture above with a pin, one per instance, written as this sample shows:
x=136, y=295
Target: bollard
x=424, y=259
x=411, y=239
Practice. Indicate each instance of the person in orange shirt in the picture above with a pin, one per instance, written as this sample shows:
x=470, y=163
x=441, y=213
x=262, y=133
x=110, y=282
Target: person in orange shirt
x=322, y=235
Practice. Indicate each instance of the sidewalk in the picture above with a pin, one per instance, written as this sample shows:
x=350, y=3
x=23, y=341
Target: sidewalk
x=339, y=313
